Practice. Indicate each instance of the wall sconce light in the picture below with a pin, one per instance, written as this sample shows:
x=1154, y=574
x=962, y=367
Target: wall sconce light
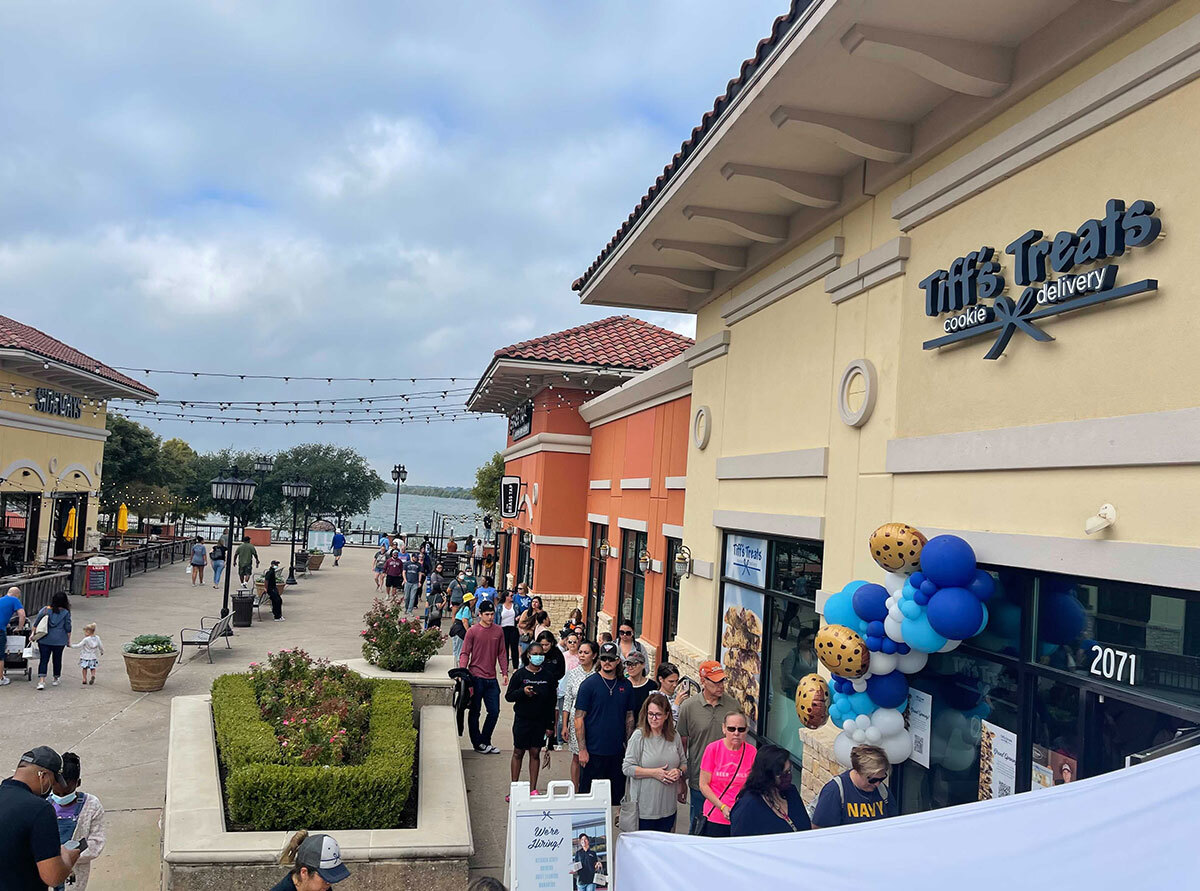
x=683, y=561
x=602, y=549
x=644, y=561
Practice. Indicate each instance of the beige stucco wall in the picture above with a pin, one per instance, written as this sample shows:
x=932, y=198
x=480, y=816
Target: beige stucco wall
x=39, y=450
x=775, y=390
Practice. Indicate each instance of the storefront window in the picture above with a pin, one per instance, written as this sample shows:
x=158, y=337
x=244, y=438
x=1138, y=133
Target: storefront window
x=18, y=531
x=1057, y=737
x=525, y=558
x=790, y=656
x=671, y=598
x=796, y=568
x=971, y=751
x=597, y=562
x=633, y=580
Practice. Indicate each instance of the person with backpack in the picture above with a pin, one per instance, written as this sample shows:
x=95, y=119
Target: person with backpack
x=858, y=794
x=462, y=621
x=216, y=556
x=436, y=604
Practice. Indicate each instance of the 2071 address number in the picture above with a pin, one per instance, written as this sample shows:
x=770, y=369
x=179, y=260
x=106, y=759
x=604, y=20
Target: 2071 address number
x=1111, y=664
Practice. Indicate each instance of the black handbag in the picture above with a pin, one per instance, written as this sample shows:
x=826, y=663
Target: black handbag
x=458, y=629
x=698, y=824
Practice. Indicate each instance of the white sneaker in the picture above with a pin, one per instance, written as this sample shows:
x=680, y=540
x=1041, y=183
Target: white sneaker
x=4, y=682
x=492, y=750
x=54, y=683
x=41, y=685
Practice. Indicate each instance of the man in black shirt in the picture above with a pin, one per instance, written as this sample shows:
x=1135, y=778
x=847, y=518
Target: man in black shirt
x=588, y=863
x=30, y=855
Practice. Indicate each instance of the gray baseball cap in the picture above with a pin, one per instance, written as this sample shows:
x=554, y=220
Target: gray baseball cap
x=46, y=757
x=321, y=853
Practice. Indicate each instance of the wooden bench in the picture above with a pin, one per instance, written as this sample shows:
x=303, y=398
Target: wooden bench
x=205, y=635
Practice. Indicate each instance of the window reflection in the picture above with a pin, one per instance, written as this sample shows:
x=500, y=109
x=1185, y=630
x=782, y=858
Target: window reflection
x=790, y=656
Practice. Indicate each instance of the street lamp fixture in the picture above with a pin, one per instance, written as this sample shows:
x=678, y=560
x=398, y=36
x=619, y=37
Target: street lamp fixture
x=644, y=561
x=296, y=490
x=683, y=561
x=264, y=464
x=399, y=475
x=234, y=490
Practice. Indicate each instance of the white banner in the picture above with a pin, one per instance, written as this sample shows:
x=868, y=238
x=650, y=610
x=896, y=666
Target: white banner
x=1133, y=828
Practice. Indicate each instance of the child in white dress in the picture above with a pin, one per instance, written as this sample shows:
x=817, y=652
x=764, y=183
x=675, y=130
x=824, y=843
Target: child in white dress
x=90, y=651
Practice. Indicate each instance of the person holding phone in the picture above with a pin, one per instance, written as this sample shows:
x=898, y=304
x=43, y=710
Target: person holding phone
x=30, y=851
x=532, y=690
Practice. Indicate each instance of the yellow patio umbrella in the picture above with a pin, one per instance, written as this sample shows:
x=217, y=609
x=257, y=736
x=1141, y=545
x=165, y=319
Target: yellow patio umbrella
x=69, y=531
x=122, y=518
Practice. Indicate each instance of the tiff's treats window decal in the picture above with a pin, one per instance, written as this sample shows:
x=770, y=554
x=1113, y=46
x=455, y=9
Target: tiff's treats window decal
x=959, y=290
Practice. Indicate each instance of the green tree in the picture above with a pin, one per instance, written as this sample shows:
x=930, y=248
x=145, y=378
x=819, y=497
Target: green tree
x=486, y=490
x=131, y=455
x=343, y=483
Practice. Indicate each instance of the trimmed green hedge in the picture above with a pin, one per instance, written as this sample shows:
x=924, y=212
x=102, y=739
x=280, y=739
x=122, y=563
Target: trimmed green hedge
x=264, y=794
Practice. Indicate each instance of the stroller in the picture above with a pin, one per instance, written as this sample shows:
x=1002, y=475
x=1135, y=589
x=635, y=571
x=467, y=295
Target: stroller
x=15, y=647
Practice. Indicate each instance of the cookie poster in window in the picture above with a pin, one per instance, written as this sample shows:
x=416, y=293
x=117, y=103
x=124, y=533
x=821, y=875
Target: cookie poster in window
x=742, y=646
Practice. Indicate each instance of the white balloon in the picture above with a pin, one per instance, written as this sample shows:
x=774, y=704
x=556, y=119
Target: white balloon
x=912, y=661
x=841, y=749
x=859, y=736
x=892, y=600
x=892, y=628
x=893, y=613
x=883, y=663
x=860, y=685
x=862, y=722
x=848, y=725
x=887, y=721
x=898, y=747
x=894, y=581
x=950, y=645
x=873, y=735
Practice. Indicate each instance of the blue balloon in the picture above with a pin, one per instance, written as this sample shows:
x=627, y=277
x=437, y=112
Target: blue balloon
x=955, y=613
x=910, y=609
x=862, y=703
x=928, y=588
x=983, y=586
x=870, y=603
x=903, y=649
x=982, y=624
x=875, y=629
x=921, y=598
x=888, y=690
x=919, y=635
x=917, y=578
x=1061, y=618
x=948, y=561
x=839, y=608
x=874, y=642
x=889, y=646
x=842, y=686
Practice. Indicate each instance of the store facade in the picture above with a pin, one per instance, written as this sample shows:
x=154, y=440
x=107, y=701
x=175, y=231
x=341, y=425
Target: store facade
x=53, y=404
x=596, y=455
x=953, y=292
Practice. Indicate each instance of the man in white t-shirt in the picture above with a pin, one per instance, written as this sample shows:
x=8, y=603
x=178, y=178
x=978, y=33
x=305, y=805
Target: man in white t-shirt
x=477, y=557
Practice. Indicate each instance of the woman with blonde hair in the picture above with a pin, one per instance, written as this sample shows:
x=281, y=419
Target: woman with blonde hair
x=858, y=794
x=656, y=763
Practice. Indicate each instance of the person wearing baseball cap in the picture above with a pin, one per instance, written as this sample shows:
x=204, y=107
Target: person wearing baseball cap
x=701, y=722
x=316, y=862
x=603, y=723
x=30, y=851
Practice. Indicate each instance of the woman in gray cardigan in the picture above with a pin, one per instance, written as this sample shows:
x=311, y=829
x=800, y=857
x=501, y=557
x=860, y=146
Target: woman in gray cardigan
x=56, y=639
x=656, y=763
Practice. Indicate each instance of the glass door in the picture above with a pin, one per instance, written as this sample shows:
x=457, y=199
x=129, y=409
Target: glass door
x=1119, y=730
x=596, y=565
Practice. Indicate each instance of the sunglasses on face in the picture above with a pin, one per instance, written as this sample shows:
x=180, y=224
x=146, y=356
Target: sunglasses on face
x=609, y=659
x=874, y=781
x=625, y=633
x=735, y=729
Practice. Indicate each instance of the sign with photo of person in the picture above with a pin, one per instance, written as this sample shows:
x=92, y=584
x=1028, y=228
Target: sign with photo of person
x=559, y=841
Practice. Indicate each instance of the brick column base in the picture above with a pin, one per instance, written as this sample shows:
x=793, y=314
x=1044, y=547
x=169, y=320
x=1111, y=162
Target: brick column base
x=819, y=765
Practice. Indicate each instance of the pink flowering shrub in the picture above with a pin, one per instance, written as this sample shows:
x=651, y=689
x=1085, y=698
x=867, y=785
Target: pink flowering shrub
x=396, y=643
x=319, y=712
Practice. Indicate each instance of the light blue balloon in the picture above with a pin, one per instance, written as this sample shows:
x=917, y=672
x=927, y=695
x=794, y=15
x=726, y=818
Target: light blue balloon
x=908, y=592
x=919, y=635
x=861, y=703
x=982, y=624
x=911, y=609
x=839, y=608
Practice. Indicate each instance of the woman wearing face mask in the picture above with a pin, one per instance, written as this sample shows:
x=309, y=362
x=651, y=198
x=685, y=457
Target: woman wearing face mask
x=532, y=691
x=80, y=815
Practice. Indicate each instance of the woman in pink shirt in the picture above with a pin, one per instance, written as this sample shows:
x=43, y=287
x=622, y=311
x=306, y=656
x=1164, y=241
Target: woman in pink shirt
x=723, y=770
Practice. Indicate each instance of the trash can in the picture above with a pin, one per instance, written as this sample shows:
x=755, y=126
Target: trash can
x=243, y=608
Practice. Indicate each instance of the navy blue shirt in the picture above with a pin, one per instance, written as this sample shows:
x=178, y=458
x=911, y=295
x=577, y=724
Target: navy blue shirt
x=858, y=806
x=339, y=540
x=606, y=704
x=753, y=816
x=28, y=835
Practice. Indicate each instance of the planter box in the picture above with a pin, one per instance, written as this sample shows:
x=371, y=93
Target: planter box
x=315, y=561
x=432, y=686
x=199, y=854
x=260, y=538
x=148, y=673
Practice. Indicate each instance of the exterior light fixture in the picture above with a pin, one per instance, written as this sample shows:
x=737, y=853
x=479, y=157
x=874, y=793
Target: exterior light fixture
x=683, y=561
x=233, y=489
x=644, y=561
x=264, y=465
x=297, y=490
x=602, y=549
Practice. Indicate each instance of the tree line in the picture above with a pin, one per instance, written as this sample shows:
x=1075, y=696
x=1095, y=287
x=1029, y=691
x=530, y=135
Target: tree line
x=169, y=479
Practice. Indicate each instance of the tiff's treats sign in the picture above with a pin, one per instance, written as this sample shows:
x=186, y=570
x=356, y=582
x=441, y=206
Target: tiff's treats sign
x=959, y=292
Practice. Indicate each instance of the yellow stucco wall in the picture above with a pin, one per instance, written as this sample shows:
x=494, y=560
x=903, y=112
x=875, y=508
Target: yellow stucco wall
x=775, y=390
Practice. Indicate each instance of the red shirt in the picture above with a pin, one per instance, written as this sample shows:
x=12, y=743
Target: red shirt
x=482, y=648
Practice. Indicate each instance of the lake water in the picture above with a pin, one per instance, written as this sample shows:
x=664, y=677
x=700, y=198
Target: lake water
x=417, y=510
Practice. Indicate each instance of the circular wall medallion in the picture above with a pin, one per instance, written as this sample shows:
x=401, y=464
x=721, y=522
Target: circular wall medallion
x=702, y=427
x=99, y=465
x=53, y=465
x=856, y=392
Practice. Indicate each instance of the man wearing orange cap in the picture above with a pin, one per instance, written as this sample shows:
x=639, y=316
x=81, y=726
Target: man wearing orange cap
x=701, y=721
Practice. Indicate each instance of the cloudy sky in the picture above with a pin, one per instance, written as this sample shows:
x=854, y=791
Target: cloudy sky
x=344, y=189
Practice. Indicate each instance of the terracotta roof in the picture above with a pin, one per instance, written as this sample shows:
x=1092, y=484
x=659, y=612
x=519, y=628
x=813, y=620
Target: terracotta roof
x=618, y=341
x=732, y=89
x=14, y=335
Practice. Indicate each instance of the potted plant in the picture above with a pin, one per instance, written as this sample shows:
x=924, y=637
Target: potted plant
x=148, y=660
x=260, y=583
x=315, y=558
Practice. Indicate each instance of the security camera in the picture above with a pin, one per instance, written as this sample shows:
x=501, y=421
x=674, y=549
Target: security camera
x=1105, y=517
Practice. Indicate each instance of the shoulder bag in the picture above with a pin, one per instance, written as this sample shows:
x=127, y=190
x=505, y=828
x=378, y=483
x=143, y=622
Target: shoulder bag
x=630, y=815
x=697, y=827
x=41, y=629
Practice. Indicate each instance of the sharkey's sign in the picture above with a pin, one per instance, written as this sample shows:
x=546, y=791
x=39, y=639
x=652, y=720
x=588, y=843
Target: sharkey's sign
x=959, y=290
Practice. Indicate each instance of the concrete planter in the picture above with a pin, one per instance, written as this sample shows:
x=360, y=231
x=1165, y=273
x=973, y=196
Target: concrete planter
x=200, y=854
x=148, y=673
x=315, y=561
x=432, y=686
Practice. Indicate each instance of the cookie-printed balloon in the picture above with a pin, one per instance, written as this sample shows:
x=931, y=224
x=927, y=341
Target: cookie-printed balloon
x=812, y=701
x=842, y=651
x=897, y=547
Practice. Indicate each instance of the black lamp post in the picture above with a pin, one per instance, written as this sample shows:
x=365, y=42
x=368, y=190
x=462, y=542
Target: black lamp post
x=233, y=489
x=295, y=490
x=399, y=475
